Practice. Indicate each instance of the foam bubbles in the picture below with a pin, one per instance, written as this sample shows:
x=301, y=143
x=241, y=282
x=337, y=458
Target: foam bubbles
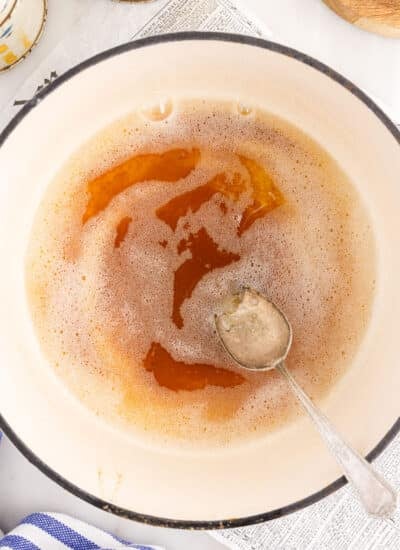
x=159, y=111
x=244, y=109
x=98, y=308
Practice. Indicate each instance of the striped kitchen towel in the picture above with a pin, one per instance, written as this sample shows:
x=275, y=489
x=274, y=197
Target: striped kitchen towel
x=46, y=531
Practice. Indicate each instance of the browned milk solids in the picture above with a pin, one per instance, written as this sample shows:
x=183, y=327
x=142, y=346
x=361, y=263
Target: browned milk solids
x=151, y=223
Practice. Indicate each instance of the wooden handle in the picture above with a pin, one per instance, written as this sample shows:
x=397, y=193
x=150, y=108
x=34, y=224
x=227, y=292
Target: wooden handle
x=379, y=16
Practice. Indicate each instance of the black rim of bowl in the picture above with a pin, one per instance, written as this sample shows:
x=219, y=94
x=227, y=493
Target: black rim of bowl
x=179, y=37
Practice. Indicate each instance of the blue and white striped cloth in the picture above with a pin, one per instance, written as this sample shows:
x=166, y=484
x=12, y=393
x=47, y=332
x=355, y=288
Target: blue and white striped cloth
x=46, y=531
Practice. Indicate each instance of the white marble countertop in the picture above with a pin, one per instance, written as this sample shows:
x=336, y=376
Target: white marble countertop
x=368, y=60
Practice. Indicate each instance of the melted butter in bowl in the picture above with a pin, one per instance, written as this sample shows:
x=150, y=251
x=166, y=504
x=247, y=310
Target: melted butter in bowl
x=150, y=224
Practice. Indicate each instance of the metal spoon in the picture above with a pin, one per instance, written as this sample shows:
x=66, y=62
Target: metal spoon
x=258, y=336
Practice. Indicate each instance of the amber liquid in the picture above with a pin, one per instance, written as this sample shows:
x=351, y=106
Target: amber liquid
x=170, y=167
x=149, y=226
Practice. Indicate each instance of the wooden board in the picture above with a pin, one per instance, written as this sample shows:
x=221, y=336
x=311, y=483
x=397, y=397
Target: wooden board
x=379, y=16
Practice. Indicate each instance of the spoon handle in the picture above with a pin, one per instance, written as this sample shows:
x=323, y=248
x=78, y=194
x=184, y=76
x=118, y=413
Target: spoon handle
x=377, y=496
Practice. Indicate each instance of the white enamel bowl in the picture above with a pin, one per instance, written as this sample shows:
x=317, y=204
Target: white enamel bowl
x=289, y=468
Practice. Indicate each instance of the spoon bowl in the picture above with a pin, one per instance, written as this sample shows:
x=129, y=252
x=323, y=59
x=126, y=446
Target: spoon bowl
x=248, y=316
